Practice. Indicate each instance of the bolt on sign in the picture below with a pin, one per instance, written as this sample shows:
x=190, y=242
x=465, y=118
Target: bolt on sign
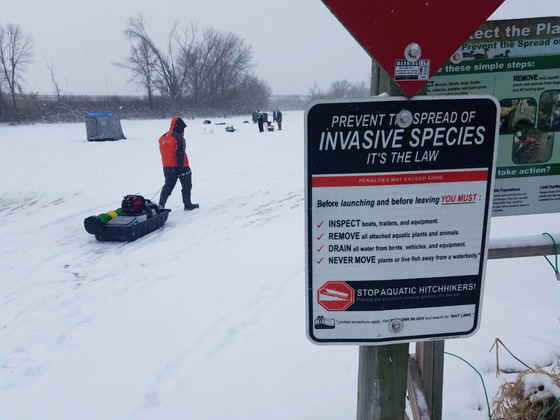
x=411, y=39
x=398, y=196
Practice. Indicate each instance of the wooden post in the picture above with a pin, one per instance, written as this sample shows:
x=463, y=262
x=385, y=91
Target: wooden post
x=381, y=82
x=418, y=403
x=430, y=364
x=382, y=376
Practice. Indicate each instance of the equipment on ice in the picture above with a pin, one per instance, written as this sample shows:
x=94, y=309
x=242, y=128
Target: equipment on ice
x=101, y=126
x=135, y=218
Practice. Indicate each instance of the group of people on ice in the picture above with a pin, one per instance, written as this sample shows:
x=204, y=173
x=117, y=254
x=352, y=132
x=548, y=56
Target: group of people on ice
x=262, y=117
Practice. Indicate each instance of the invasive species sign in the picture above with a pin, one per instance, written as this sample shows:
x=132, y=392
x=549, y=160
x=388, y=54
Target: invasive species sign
x=411, y=39
x=518, y=61
x=397, y=199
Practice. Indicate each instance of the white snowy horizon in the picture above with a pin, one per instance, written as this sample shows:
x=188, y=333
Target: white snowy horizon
x=302, y=36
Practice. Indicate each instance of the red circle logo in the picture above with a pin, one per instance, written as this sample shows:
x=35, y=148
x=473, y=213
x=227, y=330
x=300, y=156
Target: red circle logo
x=335, y=296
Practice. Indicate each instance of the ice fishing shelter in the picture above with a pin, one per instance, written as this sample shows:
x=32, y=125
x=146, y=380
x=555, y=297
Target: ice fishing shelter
x=101, y=126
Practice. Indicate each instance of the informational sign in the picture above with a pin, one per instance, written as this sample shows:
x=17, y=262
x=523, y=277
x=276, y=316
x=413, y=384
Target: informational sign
x=398, y=197
x=517, y=61
x=411, y=39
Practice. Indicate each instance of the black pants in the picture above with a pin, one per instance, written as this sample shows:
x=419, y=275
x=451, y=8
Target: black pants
x=172, y=174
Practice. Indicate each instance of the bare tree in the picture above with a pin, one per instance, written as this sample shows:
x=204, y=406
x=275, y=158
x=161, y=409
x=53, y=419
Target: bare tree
x=169, y=76
x=161, y=65
x=215, y=65
x=142, y=63
x=15, y=54
x=197, y=60
x=339, y=89
x=250, y=91
x=57, y=90
x=315, y=91
x=343, y=89
x=207, y=67
x=233, y=63
x=360, y=89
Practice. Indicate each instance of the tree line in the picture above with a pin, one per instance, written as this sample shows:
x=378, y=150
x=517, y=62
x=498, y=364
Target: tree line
x=198, y=72
x=199, y=67
x=16, y=52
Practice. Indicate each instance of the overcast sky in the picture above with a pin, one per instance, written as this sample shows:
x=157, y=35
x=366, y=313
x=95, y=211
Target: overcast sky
x=294, y=42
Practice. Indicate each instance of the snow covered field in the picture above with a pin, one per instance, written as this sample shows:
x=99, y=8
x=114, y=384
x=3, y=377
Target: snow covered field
x=203, y=319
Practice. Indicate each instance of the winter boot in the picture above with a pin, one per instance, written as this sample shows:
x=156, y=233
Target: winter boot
x=187, y=202
x=191, y=206
x=163, y=199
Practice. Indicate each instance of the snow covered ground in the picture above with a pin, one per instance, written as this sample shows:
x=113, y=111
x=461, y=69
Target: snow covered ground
x=205, y=318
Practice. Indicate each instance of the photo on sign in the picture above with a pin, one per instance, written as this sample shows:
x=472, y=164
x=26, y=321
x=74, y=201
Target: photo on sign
x=532, y=146
x=517, y=114
x=549, y=110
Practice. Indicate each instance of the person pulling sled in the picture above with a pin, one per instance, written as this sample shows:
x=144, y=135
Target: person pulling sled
x=172, y=146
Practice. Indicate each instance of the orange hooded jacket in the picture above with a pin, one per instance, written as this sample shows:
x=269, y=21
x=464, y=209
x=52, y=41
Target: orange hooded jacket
x=172, y=145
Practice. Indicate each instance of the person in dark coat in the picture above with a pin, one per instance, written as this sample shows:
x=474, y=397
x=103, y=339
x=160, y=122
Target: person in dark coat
x=260, y=120
x=279, y=119
x=172, y=146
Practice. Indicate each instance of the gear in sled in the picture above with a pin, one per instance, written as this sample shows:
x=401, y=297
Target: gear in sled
x=135, y=218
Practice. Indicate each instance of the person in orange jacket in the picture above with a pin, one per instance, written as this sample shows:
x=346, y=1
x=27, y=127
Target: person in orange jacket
x=172, y=146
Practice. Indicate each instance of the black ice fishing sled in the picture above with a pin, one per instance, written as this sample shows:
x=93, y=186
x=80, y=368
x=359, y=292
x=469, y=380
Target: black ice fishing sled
x=135, y=218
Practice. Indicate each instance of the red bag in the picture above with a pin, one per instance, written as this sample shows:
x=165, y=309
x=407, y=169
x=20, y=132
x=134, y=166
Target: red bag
x=133, y=204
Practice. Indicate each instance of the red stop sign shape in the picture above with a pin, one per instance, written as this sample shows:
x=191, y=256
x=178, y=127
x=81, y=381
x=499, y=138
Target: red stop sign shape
x=335, y=296
x=386, y=28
